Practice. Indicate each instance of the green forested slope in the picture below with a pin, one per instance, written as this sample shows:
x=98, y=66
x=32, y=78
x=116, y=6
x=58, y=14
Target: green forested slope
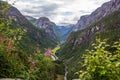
x=22, y=46
x=34, y=37
x=106, y=28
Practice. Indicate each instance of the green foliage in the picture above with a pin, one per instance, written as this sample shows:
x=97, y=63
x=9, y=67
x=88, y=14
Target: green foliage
x=16, y=62
x=81, y=40
x=39, y=68
x=34, y=37
x=10, y=65
x=59, y=67
x=102, y=62
x=3, y=7
x=46, y=67
x=13, y=35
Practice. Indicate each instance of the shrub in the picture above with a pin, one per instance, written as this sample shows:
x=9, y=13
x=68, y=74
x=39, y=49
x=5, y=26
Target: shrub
x=102, y=62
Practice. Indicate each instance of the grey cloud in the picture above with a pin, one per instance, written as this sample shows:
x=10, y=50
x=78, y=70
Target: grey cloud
x=83, y=11
x=49, y=8
x=76, y=18
x=30, y=11
x=31, y=0
x=38, y=8
x=67, y=13
x=42, y=9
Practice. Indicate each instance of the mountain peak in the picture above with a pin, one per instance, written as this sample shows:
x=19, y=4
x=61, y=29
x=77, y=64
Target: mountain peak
x=45, y=23
x=98, y=14
x=42, y=22
x=44, y=19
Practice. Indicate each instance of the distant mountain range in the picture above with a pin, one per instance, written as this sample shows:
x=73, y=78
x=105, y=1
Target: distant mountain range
x=63, y=32
x=55, y=31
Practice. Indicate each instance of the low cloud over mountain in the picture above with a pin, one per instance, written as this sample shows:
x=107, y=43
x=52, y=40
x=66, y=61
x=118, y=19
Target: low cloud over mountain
x=58, y=11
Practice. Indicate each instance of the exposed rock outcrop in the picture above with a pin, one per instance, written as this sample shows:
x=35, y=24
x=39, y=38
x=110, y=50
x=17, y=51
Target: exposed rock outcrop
x=98, y=14
x=46, y=24
x=33, y=35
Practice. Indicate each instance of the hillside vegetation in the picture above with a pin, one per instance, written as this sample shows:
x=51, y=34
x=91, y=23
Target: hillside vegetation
x=34, y=37
x=106, y=28
x=21, y=48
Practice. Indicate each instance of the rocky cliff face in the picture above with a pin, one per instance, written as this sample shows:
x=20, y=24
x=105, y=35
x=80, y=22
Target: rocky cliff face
x=34, y=37
x=54, y=31
x=80, y=41
x=46, y=24
x=105, y=25
x=98, y=14
x=18, y=19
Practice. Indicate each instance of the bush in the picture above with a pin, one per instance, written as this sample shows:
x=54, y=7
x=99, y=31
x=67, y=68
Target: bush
x=15, y=62
x=102, y=62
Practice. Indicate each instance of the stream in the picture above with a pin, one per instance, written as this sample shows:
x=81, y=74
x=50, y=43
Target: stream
x=66, y=72
x=54, y=57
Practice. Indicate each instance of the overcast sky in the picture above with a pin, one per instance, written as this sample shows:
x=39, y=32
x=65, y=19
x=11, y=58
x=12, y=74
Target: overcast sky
x=61, y=12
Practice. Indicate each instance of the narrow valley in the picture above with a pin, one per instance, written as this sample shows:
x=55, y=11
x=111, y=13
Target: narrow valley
x=46, y=40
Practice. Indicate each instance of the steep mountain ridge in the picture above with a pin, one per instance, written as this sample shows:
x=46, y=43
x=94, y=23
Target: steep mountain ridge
x=46, y=24
x=35, y=37
x=98, y=14
x=55, y=31
x=78, y=42
x=22, y=53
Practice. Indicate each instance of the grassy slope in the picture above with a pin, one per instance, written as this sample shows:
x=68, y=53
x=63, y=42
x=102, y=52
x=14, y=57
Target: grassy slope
x=71, y=52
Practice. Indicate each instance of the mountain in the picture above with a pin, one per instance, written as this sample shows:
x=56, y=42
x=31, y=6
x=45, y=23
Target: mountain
x=63, y=32
x=34, y=37
x=47, y=25
x=31, y=19
x=98, y=14
x=55, y=32
x=44, y=23
x=22, y=47
x=78, y=42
